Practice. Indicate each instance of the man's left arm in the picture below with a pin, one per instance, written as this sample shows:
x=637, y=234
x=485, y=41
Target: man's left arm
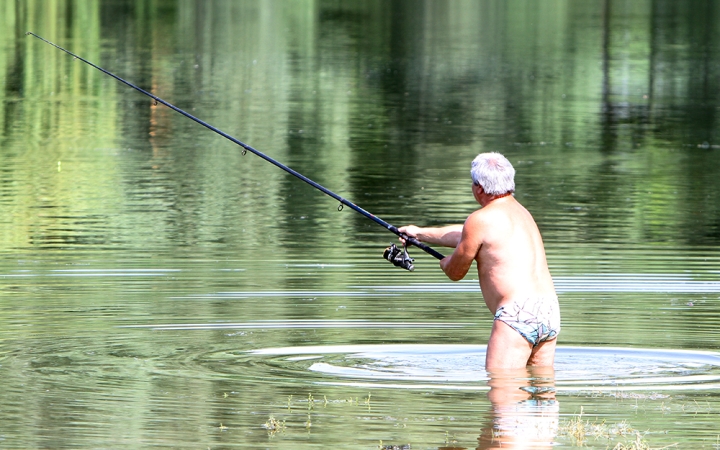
x=457, y=265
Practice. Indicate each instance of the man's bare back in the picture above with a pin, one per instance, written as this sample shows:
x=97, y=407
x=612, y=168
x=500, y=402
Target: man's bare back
x=504, y=240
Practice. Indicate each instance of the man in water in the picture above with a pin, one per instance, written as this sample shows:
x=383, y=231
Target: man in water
x=504, y=241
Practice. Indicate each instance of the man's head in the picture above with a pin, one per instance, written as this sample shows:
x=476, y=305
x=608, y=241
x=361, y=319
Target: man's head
x=494, y=173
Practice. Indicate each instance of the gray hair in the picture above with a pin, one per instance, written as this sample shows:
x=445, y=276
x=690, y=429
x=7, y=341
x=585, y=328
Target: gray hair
x=494, y=173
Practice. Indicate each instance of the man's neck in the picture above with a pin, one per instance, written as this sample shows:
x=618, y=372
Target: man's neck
x=490, y=199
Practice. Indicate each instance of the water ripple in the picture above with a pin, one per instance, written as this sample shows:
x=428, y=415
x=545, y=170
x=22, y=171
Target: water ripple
x=460, y=367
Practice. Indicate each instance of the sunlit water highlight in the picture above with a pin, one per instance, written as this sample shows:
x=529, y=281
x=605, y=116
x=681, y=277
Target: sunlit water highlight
x=661, y=283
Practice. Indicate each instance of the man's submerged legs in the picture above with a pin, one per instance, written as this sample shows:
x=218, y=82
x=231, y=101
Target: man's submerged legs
x=508, y=349
x=543, y=354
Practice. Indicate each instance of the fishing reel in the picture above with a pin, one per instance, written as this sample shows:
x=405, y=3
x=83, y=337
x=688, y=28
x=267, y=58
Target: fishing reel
x=399, y=258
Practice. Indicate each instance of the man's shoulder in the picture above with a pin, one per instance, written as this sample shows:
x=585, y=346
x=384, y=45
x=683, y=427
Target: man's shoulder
x=476, y=217
x=482, y=218
x=495, y=218
x=489, y=212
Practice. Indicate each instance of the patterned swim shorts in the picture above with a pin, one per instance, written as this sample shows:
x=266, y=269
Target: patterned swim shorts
x=537, y=319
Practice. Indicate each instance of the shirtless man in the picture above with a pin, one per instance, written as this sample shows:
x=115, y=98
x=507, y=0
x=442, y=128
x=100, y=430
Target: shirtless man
x=504, y=241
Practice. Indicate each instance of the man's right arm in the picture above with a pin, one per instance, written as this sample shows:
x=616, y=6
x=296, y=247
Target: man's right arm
x=447, y=236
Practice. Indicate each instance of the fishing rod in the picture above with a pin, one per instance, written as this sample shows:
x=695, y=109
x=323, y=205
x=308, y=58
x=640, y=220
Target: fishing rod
x=393, y=254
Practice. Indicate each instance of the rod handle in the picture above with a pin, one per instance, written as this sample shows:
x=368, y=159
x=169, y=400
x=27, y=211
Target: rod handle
x=413, y=241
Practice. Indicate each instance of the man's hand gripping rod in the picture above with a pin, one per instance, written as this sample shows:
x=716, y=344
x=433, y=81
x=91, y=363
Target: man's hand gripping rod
x=400, y=260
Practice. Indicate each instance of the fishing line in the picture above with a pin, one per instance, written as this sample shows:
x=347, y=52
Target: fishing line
x=393, y=254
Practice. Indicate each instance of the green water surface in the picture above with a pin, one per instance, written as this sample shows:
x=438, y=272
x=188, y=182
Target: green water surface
x=158, y=288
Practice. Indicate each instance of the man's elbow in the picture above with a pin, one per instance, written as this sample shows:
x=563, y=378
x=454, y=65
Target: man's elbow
x=455, y=275
x=453, y=271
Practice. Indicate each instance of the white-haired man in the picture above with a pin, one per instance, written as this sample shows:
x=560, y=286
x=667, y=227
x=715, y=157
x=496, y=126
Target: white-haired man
x=503, y=239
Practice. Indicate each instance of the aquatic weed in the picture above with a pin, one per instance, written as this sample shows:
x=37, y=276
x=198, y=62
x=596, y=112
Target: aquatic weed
x=393, y=447
x=576, y=428
x=639, y=444
x=580, y=429
x=450, y=440
x=272, y=425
